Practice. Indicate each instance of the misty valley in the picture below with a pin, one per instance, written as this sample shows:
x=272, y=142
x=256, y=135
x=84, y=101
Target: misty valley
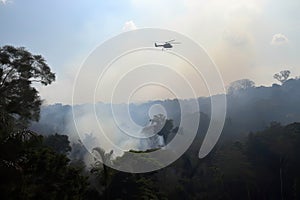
x=158, y=149
x=150, y=100
x=257, y=156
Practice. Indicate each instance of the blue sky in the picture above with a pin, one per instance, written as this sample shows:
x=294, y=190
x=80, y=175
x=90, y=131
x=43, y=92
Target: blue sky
x=246, y=38
x=60, y=30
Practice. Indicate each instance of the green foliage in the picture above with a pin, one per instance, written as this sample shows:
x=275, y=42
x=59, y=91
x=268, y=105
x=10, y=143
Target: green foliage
x=265, y=165
x=59, y=143
x=31, y=167
x=119, y=185
x=274, y=154
x=47, y=175
x=19, y=68
x=30, y=170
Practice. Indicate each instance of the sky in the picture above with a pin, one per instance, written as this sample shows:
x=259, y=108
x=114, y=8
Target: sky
x=251, y=39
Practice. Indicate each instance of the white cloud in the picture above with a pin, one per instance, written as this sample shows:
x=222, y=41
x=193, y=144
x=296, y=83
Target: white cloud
x=279, y=39
x=129, y=26
x=4, y=1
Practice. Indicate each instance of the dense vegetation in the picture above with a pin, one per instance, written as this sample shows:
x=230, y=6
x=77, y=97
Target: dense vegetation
x=31, y=166
x=259, y=164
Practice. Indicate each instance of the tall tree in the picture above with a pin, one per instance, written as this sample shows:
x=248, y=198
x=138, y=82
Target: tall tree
x=19, y=99
x=28, y=169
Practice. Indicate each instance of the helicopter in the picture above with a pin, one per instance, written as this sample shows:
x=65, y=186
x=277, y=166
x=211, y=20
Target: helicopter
x=166, y=45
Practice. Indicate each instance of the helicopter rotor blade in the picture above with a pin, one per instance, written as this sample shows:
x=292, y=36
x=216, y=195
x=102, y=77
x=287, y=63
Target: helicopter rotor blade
x=170, y=41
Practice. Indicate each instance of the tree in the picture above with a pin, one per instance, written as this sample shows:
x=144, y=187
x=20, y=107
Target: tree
x=59, y=143
x=20, y=101
x=48, y=175
x=30, y=170
x=239, y=85
x=105, y=159
x=120, y=185
x=274, y=154
x=282, y=76
x=162, y=126
x=234, y=171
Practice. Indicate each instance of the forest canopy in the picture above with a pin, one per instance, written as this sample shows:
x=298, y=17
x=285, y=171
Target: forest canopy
x=255, y=158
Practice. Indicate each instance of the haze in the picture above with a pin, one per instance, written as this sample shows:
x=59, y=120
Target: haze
x=245, y=38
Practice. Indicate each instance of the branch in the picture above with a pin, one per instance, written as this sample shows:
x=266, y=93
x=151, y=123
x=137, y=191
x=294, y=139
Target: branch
x=3, y=81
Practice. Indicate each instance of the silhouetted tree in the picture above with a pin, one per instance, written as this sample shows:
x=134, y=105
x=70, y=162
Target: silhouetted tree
x=59, y=143
x=282, y=76
x=20, y=101
x=100, y=166
x=240, y=85
x=28, y=168
x=162, y=126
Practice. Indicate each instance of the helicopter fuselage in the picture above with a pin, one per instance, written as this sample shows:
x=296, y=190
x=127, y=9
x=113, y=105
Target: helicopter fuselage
x=166, y=45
